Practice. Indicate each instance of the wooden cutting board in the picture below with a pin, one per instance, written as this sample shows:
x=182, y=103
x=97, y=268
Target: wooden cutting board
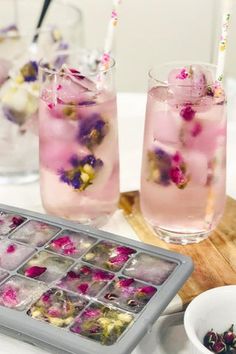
x=214, y=258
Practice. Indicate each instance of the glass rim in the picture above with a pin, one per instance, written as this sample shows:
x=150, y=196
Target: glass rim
x=49, y=71
x=180, y=63
x=47, y=29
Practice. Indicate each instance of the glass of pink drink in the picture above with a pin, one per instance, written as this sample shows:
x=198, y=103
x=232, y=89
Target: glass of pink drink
x=183, y=166
x=79, y=158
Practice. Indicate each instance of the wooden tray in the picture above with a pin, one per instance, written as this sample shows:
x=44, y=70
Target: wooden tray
x=214, y=258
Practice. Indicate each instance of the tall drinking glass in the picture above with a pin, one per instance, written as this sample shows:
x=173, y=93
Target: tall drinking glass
x=79, y=160
x=183, y=166
x=19, y=87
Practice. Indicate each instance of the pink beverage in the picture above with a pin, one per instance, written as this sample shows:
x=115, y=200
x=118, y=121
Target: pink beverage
x=79, y=159
x=183, y=169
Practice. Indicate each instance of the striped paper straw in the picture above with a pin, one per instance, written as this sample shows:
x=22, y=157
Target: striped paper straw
x=110, y=35
x=227, y=11
x=16, y=15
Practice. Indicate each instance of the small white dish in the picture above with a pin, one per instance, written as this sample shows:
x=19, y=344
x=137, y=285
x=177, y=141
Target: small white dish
x=167, y=336
x=214, y=309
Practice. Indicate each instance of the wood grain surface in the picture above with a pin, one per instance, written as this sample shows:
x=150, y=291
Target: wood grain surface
x=214, y=258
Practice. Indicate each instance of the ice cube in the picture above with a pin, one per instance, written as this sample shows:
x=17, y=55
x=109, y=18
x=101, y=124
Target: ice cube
x=13, y=254
x=85, y=280
x=102, y=323
x=46, y=267
x=19, y=293
x=9, y=222
x=109, y=255
x=128, y=294
x=35, y=233
x=189, y=83
x=166, y=127
x=69, y=243
x=57, y=307
x=197, y=167
x=149, y=268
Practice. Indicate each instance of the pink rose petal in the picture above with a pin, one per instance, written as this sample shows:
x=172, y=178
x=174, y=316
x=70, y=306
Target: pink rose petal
x=83, y=288
x=147, y=290
x=9, y=296
x=125, y=282
x=90, y=313
x=35, y=271
x=119, y=259
x=11, y=248
x=124, y=250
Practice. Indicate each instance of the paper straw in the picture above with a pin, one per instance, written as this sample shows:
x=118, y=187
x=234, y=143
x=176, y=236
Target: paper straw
x=16, y=15
x=227, y=11
x=110, y=35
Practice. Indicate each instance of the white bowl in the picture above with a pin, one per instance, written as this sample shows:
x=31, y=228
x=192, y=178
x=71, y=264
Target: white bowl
x=214, y=309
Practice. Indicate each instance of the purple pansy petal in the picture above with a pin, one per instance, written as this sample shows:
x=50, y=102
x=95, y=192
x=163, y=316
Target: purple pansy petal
x=74, y=161
x=78, y=176
x=92, y=131
x=30, y=71
x=35, y=271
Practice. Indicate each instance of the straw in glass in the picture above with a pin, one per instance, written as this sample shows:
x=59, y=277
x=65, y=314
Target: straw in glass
x=227, y=11
x=110, y=35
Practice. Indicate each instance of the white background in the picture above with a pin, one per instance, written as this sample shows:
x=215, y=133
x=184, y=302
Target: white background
x=155, y=31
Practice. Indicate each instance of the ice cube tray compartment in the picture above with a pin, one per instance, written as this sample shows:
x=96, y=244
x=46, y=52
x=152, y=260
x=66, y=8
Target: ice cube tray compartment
x=81, y=289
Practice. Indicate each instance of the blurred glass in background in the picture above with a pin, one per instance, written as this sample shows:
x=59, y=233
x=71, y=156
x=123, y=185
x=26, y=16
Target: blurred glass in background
x=19, y=88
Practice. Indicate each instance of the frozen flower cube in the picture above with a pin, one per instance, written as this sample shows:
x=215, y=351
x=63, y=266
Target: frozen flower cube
x=102, y=324
x=46, y=267
x=128, y=294
x=35, y=233
x=18, y=292
x=85, y=280
x=109, y=255
x=9, y=222
x=69, y=243
x=13, y=254
x=57, y=307
x=149, y=268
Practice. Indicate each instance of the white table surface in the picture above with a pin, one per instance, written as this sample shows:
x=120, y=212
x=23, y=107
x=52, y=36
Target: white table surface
x=131, y=113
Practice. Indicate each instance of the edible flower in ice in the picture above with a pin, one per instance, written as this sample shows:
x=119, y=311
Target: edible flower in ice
x=92, y=130
x=82, y=173
x=35, y=271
